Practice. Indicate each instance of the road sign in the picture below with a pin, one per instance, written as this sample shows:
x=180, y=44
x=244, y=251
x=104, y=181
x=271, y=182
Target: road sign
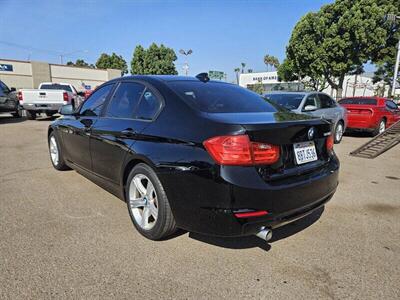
x=216, y=75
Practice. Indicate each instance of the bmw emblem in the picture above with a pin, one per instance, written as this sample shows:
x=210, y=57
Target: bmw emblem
x=311, y=133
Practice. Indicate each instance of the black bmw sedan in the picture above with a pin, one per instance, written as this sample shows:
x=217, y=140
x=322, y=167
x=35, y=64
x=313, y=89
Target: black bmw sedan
x=205, y=156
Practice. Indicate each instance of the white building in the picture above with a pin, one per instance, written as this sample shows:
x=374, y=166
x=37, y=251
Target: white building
x=360, y=85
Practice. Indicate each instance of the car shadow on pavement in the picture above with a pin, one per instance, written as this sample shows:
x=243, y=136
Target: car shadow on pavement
x=8, y=119
x=253, y=241
x=361, y=134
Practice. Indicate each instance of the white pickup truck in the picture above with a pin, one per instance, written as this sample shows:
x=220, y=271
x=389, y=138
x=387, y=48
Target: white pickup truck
x=48, y=98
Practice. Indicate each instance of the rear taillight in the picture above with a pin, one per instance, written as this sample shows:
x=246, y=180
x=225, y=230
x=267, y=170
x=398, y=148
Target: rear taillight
x=250, y=214
x=329, y=143
x=20, y=97
x=65, y=96
x=365, y=112
x=237, y=150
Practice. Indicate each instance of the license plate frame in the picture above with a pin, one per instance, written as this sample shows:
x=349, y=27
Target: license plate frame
x=305, y=152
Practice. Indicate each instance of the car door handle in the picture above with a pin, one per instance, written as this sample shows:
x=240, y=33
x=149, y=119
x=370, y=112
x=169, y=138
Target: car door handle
x=129, y=132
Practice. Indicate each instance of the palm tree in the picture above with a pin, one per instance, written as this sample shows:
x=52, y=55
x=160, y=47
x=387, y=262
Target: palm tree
x=249, y=70
x=243, y=65
x=237, y=70
x=271, y=61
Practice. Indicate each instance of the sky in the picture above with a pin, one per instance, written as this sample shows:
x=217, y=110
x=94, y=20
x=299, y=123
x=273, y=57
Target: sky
x=222, y=34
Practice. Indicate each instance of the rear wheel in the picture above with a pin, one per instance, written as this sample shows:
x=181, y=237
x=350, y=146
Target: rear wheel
x=148, y=204
x=56, y=156
x=381, y=127
x=31, y=114
x=17, y=114
x=339, y=130
x=50, y=113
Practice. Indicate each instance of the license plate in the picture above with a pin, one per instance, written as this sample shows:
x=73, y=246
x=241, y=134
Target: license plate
x=305, y=152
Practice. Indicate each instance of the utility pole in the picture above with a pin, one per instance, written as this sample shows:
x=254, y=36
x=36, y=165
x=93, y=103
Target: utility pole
x=62, y=55
x=393, y=18
x=186, y=65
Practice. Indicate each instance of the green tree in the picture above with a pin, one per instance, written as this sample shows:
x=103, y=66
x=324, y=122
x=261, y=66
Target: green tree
x=80, y=63
x=112, y=61
x=337, y=40
x=157, y=60
x=257, y=88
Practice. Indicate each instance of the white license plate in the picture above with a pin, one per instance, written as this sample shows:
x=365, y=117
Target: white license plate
x=305, y=152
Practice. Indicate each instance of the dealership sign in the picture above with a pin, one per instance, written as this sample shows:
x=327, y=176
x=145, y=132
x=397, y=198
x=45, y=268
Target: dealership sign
x=6, y=68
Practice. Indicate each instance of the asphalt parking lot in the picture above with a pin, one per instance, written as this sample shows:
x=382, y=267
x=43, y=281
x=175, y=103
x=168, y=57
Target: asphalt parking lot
x=63, y=236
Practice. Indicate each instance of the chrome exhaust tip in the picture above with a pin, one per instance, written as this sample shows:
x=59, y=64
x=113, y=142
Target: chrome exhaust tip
x=265, y=234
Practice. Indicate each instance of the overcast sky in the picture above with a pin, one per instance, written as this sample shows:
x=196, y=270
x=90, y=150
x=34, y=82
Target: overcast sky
x=222, y=34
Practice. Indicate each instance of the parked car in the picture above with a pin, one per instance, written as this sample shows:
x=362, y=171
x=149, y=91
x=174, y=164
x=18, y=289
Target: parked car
x=371, y=114
x=316, y=104
x=205, y=156
x=8, y=101
x=48, y=98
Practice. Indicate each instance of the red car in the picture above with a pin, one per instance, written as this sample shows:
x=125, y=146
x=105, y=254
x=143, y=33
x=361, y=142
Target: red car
x=372, y=114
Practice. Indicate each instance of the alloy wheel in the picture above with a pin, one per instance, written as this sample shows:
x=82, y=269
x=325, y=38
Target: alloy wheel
x=339, y=132
x=382, y=126
x=143, y=201
x=54, y=151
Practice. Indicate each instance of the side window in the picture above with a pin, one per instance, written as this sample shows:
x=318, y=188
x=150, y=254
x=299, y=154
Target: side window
x=391, y=105
x=3, y=89
x=148, y=106
x=93, y=105
x=312, y=100
x=326, y=101
x=125, y=100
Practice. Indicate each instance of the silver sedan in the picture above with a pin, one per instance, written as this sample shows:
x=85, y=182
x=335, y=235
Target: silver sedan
x=316, y=104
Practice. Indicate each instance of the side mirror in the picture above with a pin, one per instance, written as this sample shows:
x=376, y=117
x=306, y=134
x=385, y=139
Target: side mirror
x=310, y=108
x=13, y=89
x=66, y=110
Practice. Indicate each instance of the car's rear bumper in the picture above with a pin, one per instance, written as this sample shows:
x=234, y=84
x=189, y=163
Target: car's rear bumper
x=204, y=202
x=361, y=123
x=42, y=107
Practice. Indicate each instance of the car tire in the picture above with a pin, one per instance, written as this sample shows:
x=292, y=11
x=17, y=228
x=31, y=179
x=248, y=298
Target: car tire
x=380, y=128
x=339, y=131
x=56, y=155
x=17, y=114
x=148, y=204
x=31, y=115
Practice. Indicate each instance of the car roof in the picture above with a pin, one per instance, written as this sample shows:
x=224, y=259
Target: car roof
x=288, y=92
x=163, y=78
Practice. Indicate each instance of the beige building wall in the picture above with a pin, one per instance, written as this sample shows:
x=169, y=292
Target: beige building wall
x=27, y=74
x=21, y=77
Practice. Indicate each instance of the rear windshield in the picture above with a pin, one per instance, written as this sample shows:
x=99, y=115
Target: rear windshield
x=217, y=97
x=360, y=101
x=289, y=101
x=63, y=87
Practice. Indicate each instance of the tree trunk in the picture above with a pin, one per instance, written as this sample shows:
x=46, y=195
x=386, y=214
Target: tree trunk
x=340, y=87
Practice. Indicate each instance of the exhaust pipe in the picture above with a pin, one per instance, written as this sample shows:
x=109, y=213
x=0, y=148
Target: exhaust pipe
x=265, y=234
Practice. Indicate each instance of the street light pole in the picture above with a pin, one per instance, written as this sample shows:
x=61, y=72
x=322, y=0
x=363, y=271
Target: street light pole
x=396, y=69
x=186, y=65
x=394, y=18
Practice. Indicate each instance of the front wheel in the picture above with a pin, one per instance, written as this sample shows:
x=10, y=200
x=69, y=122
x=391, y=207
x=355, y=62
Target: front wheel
x=148, y=204
x=339, y=130
x=56, y=155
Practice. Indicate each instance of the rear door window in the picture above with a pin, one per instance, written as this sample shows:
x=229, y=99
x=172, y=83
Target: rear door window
x=326, y=101
x=149, y=106
x=125, y=100
x=219, y=97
